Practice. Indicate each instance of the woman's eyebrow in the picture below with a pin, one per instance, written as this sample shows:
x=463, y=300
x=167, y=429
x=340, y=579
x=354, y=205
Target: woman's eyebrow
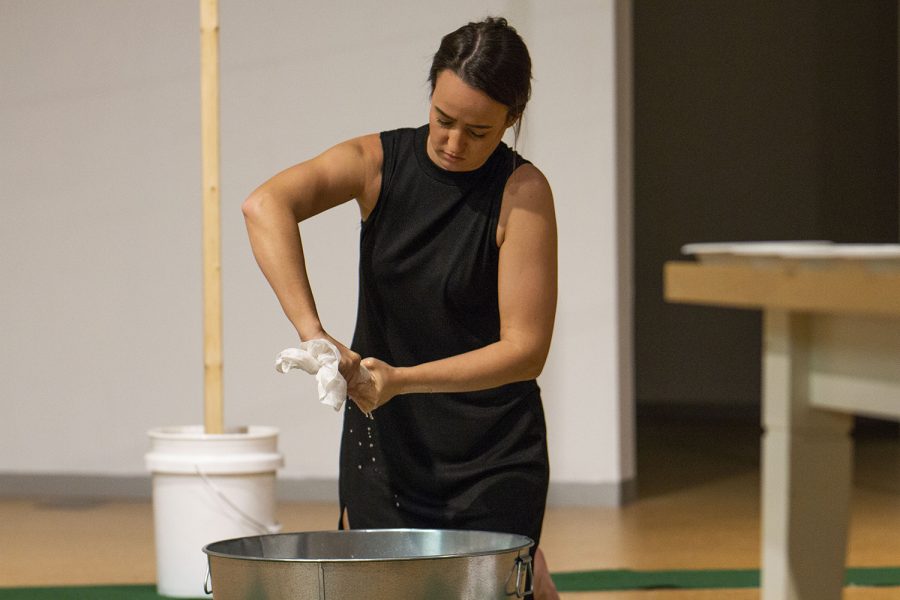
x=449, y=118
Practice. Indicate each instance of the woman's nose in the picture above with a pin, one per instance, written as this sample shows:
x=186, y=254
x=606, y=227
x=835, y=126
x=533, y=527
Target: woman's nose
x=455, y=141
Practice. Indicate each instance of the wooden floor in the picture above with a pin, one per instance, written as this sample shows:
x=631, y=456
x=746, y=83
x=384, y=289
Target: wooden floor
x=698, y=508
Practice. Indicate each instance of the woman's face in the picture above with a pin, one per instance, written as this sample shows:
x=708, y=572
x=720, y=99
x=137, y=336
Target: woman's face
x=465, y=125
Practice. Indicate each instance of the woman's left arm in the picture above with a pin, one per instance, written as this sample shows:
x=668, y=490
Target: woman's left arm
x=526, y=235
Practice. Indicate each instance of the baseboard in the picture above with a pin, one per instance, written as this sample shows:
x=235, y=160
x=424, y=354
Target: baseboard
x=610, y=494
x=60, y=487
x=80, y=489
x=307, y=490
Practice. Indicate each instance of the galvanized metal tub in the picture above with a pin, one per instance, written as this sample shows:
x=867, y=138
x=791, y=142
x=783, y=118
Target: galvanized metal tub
x=377, y=564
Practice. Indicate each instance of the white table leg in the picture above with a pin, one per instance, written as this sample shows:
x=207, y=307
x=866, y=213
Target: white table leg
x=807, y=472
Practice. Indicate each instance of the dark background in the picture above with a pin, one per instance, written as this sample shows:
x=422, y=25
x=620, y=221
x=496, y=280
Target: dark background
x=754, y=120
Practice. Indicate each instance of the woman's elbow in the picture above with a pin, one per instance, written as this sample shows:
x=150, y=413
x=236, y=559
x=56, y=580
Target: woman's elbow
x=252, y=207
x=536, y=369
x=529, y=353
x=534, y=362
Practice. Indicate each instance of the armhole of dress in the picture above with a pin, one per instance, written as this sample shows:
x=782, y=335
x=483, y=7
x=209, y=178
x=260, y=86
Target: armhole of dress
x=388, y=164
x=516, y=161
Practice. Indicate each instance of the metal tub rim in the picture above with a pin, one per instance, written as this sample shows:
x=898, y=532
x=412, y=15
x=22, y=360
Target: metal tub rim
x=518, y=543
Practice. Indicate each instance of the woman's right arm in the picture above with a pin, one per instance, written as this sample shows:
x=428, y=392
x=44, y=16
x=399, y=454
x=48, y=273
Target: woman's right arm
x=349, y=170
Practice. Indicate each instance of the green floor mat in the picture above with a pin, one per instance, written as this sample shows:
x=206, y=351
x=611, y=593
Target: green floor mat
x=625, y=579
x=621, y=580
x=98, y=592
x=582, y=581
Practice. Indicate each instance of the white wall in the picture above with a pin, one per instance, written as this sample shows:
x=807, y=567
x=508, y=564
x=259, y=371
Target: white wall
x=100, y=308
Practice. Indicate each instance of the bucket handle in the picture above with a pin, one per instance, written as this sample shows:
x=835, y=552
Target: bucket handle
x=524, y=578
x=261, y=527
x=207, y=583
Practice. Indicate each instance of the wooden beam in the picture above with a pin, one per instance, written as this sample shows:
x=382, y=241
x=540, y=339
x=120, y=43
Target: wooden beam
x=214, y=421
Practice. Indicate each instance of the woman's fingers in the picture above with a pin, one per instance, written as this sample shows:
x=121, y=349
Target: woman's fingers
x=364, y=394
x=366, y=389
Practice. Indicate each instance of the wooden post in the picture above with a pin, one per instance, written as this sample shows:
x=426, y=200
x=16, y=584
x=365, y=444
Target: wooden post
x=214, y=421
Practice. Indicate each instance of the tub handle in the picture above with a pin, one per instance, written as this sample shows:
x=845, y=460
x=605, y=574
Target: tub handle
x=207, y=583
x=524, y=578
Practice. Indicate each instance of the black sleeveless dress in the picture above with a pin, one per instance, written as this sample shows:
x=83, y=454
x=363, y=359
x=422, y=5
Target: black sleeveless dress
x=428, y=290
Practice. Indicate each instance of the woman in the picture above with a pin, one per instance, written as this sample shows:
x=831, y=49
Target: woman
x=457, y=298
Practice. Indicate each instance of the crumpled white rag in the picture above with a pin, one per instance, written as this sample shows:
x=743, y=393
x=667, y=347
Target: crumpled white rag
x=320, y=358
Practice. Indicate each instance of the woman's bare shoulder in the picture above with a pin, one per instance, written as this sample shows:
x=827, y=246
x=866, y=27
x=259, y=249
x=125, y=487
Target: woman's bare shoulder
x=368, y=148
x=527, y=201
x=527, y=186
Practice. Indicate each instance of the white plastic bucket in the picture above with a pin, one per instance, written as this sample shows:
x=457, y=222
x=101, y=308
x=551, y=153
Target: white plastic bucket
x=208, y=487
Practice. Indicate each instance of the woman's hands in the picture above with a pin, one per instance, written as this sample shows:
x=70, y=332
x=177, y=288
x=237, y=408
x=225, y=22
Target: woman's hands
x=370, y=383
x=374, y=386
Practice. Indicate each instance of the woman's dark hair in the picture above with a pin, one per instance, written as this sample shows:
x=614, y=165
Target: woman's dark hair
x=491, y=57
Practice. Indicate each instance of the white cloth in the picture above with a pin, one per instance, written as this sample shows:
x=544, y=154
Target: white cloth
x=320, y=358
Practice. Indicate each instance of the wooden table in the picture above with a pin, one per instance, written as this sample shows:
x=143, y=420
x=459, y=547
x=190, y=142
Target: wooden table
x=831, y=349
